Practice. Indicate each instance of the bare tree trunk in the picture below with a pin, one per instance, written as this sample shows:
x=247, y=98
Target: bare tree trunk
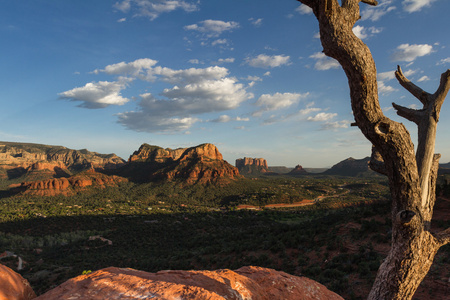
x=412, y=177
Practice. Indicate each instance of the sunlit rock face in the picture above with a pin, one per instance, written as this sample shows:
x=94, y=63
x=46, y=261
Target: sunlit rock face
x=248, y=165
x=13, y=286
x=244, y=283
x=202, y=164
x=71, y=185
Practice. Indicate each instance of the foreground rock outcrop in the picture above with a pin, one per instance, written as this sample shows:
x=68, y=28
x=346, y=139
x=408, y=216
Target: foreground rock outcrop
x=13, y=286
x=245, y=283
x=200, y=164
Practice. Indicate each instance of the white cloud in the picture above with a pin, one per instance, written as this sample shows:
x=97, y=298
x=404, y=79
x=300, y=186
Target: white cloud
x=153, y=8
x=335, y=125
x=444, y=61
x=242, y=119
x=132, y=68
x=363, y=32
x=226, y=119
x=374, y=13
x=267, y=73
x=324, y=62
x=304, y=10
x=308, y=110
x=226, y=60
x=266, y=61
x=257, y=22
x=360, y=31
x=195, y=91
x=194, y=61
x=253, y=78
x=277, y=101
x=416, y=5
x=423, y=78
x=408, y=53
x=220, y=42
x=212, y=28
x=320, y=117
x=385, y=89
x=389, y=75
x=121, y=20
x=222, y=119
x=175, y=113
x=98, y=94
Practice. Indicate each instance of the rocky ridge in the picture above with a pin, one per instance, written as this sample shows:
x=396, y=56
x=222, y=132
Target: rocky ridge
x=69, y=186
x=351, y=167
x=17, y=159
x=200, y=164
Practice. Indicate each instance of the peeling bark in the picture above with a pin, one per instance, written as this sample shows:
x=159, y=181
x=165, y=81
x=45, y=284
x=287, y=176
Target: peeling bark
x=412, y=176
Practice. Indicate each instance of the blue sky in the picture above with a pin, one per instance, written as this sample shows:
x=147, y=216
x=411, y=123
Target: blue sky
x=245, y=75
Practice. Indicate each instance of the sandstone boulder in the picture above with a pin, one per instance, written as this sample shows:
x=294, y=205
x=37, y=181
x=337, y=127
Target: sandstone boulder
x=245, y=283
x=13, y=286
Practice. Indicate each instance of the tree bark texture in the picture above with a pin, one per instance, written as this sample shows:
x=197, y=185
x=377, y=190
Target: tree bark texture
x=412, y=176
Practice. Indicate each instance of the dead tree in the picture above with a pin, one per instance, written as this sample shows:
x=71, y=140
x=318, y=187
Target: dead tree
x=412, y=176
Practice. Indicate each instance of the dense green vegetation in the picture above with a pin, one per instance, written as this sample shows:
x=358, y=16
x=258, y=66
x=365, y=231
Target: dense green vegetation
x=338, y=241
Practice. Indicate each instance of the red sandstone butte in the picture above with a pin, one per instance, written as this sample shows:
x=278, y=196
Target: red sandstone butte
x=245, y=283
x=13, y=286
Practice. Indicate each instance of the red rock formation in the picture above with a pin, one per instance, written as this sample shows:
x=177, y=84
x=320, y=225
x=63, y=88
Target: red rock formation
x=13, y=286
x=298, y=170
x=248, y=165
x=201, y=164
x=244, y=283
x=34, y=157
x=69, y=186
x=248, y=161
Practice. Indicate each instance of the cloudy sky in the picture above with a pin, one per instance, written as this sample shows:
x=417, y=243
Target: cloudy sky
x=248, y=76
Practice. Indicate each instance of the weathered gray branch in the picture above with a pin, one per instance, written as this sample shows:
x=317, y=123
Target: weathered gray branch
x=444, y=85
x=411, y=87
x=443, y=237
x=309, y=3
x=410, y=114
x=370, y=2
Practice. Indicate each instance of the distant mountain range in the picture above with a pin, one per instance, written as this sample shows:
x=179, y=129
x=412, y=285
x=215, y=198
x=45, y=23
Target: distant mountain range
x=51, y=170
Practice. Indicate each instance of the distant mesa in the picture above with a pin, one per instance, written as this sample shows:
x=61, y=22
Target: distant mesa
x=298, y=170
x=351, y=167
x=202, y=164
x=252, y=166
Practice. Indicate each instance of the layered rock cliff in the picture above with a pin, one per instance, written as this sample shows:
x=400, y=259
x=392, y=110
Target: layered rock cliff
x=200, y=164
x=248, y=165
x=17, y=159
x=71, y=185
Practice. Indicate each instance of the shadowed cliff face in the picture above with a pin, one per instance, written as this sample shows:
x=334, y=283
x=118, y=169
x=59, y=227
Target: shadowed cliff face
x=201, y=164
